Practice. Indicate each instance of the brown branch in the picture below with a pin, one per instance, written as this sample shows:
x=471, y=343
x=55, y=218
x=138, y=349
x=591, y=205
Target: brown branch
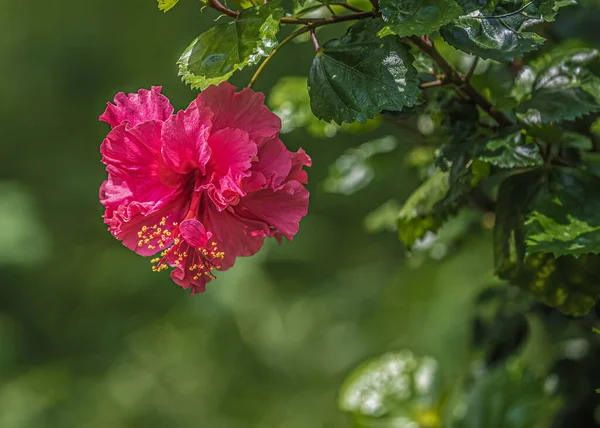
x=314, y=22
x=453, y=76
x=472, y=69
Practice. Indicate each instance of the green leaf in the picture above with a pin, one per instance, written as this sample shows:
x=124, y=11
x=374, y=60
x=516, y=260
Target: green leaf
x=217, y=53
x=438, y=198
x=417, y=17
x=353, y=171
x=359, y=75
x=565, y=215
x=558, y=87
x=290, y=101
x=396, y=389
x=418, y=214
x=531, y=226
x=560, y=138
x=166, y=5
x=493, y=29
x=512, y=150
x=510, y=396
x=488, y=37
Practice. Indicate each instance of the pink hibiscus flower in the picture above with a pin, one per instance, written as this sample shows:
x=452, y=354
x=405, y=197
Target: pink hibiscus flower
x=200, y=187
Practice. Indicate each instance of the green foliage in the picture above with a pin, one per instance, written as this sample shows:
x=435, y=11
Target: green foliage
x=218, y=52
x=166, y=5
x=438, y=198
x=558, y=86
x=397, y=388
x=290, y=101
x=511, y=150
x=510, y=396
x=417, y=17
x=489, y=37
x=359, y=75
x=545, y=236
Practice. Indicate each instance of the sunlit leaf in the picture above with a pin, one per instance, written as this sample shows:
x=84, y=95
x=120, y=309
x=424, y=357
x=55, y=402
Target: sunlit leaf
x=359, y=75
x=417, y=17
x=218, y=52
x=166, y=5
x=395, y=389
x=558, y=87
x=510, y=151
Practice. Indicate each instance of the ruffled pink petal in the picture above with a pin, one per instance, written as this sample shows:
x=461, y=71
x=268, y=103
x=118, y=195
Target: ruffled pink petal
x=128, y=225
x=194, y=233
x=235, y=236
x=136, y=170
x=282, y=209
x=137, y=108
x=231, y=157
x=272, y=168
x=181, y=276
x=299, y=160
x=184, y=139
x=134, y=149
x=243, y=110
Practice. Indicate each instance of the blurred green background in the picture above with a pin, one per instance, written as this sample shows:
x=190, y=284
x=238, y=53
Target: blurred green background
x=91, y=337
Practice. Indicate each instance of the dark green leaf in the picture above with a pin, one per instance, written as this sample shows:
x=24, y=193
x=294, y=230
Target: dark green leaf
x=290, y=101
x=417, y=17
x=397, y=386
x=488, y=37
x=359, y=75
x=558, y=87
x=494, y=31
x=529, y=219
x=553, y=135
x=166, y=5
x=510, y=151
x=565, y=215
x=217, y=53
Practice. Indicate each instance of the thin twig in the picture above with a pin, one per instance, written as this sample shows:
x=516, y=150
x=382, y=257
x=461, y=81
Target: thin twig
x=472, y=69
x=313, y=36
x=433, y=84
x=452, y=75
x=262, y=66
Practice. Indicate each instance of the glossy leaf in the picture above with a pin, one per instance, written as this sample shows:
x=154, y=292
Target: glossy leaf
x=417, y=17
x=166, y=5
x=531, y=227
x=359, y=75
x=217, y=53
x=290, y=101
x=511, y=151
x=489, y=38
x=395, y=389
x=558, y=87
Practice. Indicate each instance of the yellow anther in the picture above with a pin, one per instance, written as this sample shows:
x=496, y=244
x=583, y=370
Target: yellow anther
x=144, y=228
